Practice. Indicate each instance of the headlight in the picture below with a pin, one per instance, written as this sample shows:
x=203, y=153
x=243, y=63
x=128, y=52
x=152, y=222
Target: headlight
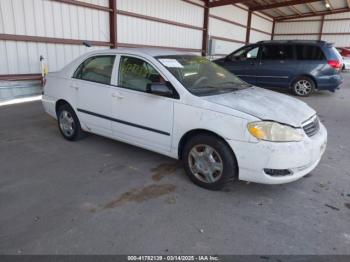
x=275, y=132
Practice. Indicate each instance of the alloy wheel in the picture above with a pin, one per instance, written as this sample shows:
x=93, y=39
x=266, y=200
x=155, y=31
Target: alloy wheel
x=205, y=163
x=303, y=87
x=67, y=124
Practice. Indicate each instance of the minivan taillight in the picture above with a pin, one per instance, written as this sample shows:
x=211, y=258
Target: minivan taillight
x=336, y=64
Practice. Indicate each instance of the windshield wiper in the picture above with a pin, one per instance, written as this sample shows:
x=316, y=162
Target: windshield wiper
x=236, y=84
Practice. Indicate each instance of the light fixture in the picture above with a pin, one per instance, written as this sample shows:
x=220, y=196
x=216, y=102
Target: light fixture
x=327, y=5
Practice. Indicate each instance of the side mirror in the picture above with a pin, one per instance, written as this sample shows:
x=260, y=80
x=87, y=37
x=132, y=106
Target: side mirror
x=160, y=89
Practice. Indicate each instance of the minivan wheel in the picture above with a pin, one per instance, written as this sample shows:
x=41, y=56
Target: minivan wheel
x=68, y=123
x=303, y=86
x=209, y=162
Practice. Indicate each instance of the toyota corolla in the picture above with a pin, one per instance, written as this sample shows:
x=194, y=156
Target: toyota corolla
x=186, y=107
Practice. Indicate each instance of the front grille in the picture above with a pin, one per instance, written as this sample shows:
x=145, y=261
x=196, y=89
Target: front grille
x=311, y=128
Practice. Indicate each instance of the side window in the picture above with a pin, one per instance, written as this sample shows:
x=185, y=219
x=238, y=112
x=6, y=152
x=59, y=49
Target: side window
x=250, y=52
x=136, y=74
x=277, y=52
x=309, y=52
x=96, y=69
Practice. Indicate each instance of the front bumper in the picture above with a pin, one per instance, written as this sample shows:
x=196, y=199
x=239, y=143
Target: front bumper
x=299, y=157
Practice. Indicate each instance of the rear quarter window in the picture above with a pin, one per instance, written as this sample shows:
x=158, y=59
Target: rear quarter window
x=96, y=69
x=309, y=52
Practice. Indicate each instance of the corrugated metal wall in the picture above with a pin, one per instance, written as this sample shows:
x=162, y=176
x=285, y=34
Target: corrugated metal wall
x=44, y=18
x=336, y=29
x=261, y=28
x=228, y=27
x=179, y=24
x=175, y=24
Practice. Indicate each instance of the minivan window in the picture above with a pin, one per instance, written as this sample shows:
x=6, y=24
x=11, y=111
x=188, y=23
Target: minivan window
x=250, y=52
x=309, y=52
x=96, y=69
x=277, y=52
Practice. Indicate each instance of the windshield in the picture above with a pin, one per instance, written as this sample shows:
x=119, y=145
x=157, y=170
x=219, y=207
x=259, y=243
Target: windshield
x=201, y=76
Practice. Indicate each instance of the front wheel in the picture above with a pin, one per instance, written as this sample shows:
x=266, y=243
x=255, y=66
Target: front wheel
x=303, y=86
x=209, y=162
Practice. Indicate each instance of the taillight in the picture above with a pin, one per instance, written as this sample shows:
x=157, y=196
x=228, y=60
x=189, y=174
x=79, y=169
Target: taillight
x=336, y=64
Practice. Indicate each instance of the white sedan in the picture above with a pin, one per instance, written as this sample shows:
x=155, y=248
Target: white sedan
x=186, y=107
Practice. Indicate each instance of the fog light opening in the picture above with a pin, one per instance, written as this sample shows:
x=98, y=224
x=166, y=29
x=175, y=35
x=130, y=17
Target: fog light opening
x=277, y=172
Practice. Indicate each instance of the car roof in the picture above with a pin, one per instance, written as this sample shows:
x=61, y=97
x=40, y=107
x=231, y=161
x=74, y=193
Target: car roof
x=150, y=51
x=315, y=42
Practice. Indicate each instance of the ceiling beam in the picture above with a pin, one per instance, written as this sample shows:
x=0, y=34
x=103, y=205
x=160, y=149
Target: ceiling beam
x=312, y=8
x=280, y=12
x=330, y=5
x=295, y=9
x=328, y=12
x=281, y=4
x=226, y=2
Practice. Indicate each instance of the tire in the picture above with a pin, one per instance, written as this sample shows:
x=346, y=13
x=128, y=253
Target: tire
x=303, y=86
x=68, y=123
x=209, y=162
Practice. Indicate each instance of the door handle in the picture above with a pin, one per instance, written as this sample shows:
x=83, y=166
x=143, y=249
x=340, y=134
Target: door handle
x=117, y=95
x=76, y=87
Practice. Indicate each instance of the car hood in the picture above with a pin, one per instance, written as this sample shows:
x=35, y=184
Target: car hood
x=266, y=105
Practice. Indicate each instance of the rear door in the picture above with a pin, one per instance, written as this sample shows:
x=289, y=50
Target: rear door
x=277, y=65
x=94, y=102
x=243, y=63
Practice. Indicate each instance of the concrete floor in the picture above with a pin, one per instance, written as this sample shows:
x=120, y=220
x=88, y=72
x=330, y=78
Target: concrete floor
x=99, y=196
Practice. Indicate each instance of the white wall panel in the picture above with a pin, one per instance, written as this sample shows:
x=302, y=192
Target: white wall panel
x=261, y=24
x=341, y=26
x=224, y=47
x=139, y=31
x=23, y=57
x=97, y=2
x=227, y=30
x=338, y=40
x=257, y=36
x=173, y=10
x=295, y=37
x=297, y=27
x=54, y=19
x=230, y=12
x=313, y=27
x=340, y=15
x=47, y=19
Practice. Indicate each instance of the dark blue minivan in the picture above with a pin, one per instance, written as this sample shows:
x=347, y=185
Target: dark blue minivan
x=299, y=65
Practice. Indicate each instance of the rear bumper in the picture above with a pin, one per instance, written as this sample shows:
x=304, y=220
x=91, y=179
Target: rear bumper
x=329, y=82
x=49, y=105
x=298, y=157
x=346, y=64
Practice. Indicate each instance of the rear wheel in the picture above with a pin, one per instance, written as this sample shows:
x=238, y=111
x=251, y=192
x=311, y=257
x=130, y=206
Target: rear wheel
x=209, y=162
x=68, y=123
x=303, y=86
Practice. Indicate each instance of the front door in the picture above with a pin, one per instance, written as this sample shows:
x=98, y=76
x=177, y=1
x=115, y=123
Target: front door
x=92, y=82
x=139, y=117
x=243, y=63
